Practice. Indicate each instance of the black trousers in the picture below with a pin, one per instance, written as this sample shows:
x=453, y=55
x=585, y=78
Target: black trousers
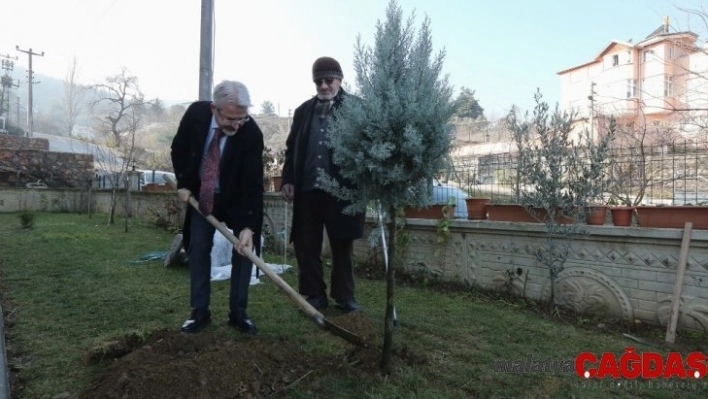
x=201, y=243
x=312, y=215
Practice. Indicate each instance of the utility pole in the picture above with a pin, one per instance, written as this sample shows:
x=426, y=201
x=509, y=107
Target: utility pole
x=7, y=84
x=206, y=51
x=591, y=97
x=17, y=121
x=30, y=80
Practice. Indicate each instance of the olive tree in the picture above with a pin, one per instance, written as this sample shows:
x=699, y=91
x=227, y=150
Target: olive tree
x=564, y=170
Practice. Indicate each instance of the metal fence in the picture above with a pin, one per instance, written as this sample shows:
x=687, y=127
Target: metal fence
x=672, y=174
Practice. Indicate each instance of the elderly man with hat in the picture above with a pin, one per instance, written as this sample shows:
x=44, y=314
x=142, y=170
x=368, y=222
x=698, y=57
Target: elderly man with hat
x=307, y=154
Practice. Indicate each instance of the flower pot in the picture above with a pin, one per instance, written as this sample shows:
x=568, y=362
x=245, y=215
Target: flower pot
x=622, y=215
x=154, y=187
x=276, y=182
x=509, y=213
x=519, y=213
x=433, y=212
x=673, y=216
x=596, y=215
x=477, y=208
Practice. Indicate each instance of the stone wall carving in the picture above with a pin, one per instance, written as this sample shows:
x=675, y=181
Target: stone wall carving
x=587, y=291
x=617, y=272
x=693, y=312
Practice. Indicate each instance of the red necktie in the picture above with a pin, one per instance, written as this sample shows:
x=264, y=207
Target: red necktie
x=209, y=174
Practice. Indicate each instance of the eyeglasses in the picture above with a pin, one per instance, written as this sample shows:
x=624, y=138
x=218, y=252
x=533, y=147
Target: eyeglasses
x=329, y=81
x=233, y=121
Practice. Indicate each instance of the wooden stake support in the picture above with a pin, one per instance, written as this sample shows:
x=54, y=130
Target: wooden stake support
x=678, y=284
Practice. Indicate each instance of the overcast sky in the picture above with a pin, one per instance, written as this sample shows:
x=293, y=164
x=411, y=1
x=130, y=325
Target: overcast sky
x=503, y=49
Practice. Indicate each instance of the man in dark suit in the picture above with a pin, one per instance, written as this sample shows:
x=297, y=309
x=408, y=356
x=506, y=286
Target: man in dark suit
x=307, y=154
x=226, y=175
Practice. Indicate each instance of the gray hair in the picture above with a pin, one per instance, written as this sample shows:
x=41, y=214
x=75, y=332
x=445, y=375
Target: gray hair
x=232, y=92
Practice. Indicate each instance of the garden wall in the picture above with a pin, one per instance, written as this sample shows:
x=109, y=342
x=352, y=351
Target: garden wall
x=145, y=205
x=25, y=160
x=618, y=272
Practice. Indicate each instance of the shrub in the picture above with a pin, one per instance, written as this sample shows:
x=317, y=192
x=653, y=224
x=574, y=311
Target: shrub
x=27, y=219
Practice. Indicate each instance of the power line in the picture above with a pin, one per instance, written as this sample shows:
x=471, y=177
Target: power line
x=30, y=82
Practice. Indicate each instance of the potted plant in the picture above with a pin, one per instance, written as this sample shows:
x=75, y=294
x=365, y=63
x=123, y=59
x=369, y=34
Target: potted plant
x=477, y=207
x=434, y=211
x=596, y=215
x=277, y=181
x=672, y=216
x=621, y=214
x=509, y=213
x=272, y=165
x=277, y=169
x=267, y=183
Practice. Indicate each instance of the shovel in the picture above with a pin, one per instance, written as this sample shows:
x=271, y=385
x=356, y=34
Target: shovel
x=305, y=306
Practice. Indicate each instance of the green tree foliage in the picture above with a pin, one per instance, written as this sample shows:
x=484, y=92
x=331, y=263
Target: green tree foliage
x=562, y=173
x=157, y=110
x=394, y=136
x=176, y=112
x=267, y=108
x=467, y=106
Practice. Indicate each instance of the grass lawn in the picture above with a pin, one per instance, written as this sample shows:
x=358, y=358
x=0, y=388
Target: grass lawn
x=68, y=285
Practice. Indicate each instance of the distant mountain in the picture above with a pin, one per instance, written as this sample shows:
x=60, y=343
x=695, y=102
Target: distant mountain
x=46, y=94
x=47, y=99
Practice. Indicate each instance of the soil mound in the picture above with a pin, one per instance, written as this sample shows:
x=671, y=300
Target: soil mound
x=171, y=364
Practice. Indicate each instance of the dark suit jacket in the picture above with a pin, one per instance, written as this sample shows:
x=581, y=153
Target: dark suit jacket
x=240, y=168
x=346, y=227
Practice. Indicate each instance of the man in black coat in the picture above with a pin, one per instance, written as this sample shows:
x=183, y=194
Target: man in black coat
x=307, y=153
x=226, y=176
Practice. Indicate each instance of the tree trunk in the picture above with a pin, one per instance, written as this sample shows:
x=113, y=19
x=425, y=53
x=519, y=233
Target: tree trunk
x=390, y=283
x=112, y=212
x=88, y=206
x=127, y=203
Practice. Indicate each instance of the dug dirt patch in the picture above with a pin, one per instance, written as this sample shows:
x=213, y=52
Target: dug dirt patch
x=171, y=364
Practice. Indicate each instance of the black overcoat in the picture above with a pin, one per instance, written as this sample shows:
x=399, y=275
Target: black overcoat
x=346, y=227
x=240, y=168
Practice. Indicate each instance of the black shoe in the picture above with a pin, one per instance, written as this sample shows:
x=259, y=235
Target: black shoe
x=348, y=305
x=318, y=301
x=196, y=322
x=243, y=324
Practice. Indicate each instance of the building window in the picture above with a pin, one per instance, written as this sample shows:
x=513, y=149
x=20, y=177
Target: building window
x=668, y=86
x=615, y=60
x=646, y=55
x=671, y=53
x=631, y=88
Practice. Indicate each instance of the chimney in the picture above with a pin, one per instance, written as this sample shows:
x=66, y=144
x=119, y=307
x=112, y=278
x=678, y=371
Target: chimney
x=666, y=24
